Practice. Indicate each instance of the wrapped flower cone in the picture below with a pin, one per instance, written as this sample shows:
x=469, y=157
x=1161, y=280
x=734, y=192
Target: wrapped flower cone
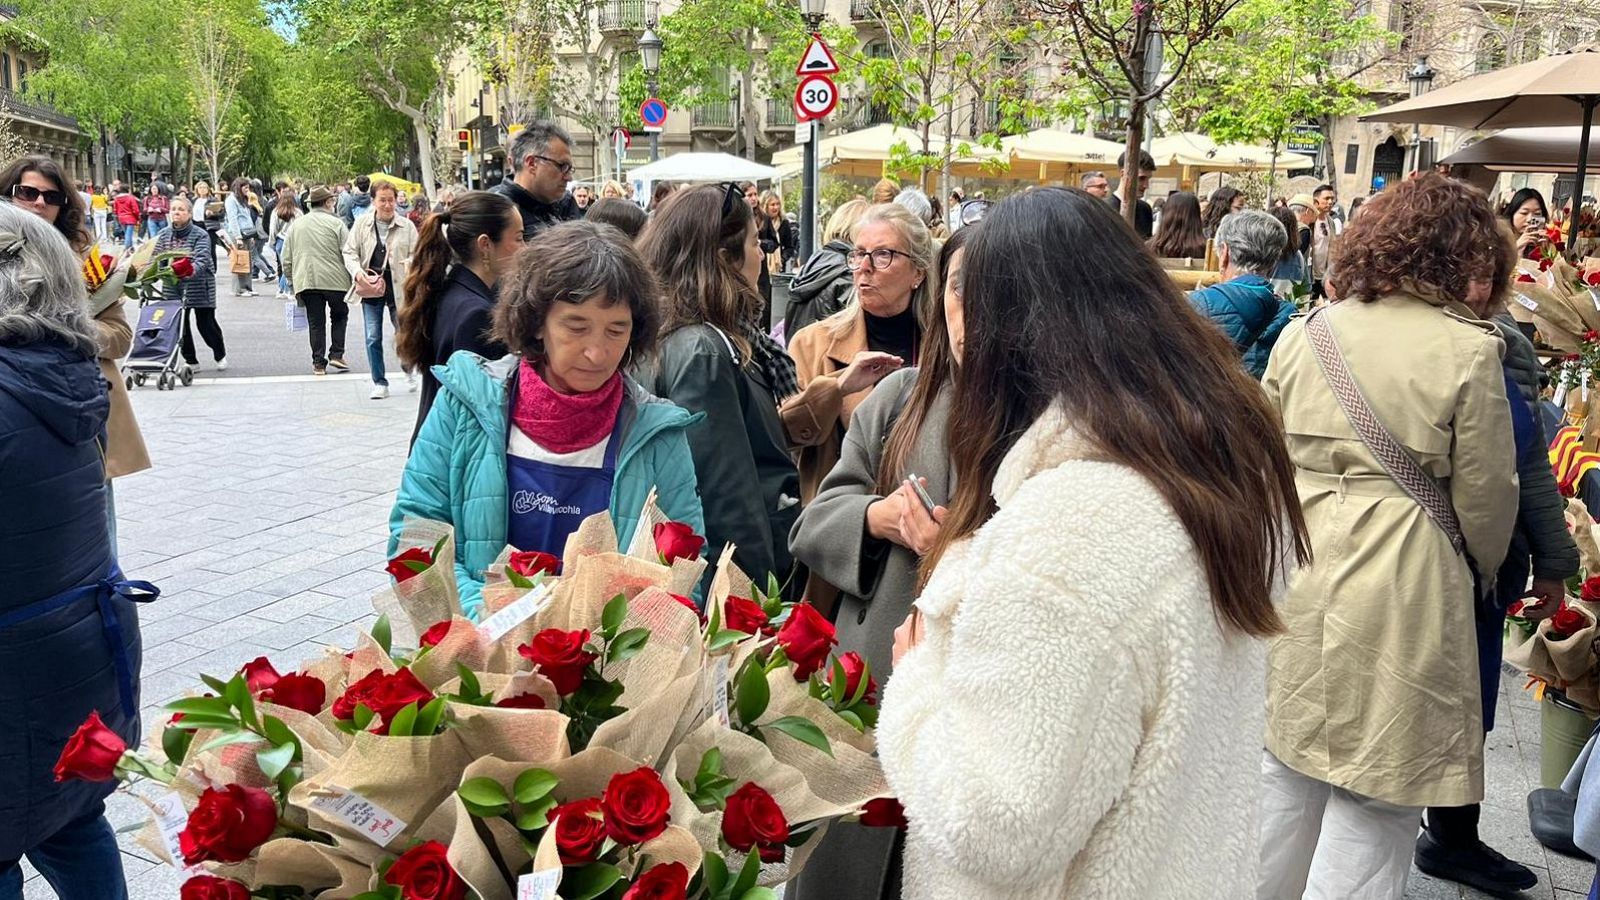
x=313, y=866
x=404, y=777
x=462, y=645
x=522, y=736
x=1582, y=526
x=1524, y=649
x=429, y=596
x=1572, y=656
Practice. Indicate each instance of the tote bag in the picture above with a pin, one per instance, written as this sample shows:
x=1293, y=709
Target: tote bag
x=239, y=261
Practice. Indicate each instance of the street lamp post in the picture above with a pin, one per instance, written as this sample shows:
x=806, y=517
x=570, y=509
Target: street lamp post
x=813, y=11
x=650, y=55
x=1421, y=79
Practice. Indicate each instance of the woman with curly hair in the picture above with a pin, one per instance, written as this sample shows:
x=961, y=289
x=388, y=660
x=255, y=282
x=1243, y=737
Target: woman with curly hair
x=1224, y=200
x=1373, y=698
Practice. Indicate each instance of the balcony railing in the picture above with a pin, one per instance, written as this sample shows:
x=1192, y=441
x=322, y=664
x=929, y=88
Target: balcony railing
x=780, y=114
x=16, y=107
x=720, y=116
x=621, y=16
x=866, y=115
x=861, y=11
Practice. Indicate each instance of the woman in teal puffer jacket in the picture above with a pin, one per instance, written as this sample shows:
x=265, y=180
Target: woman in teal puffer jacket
x=520, y=450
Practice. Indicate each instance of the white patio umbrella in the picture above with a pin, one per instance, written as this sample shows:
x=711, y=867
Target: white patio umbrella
x=1060, y=154
x=692, y=167
x=1527, y=150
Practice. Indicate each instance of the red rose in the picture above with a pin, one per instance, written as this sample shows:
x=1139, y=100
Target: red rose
x=228, y=825
x=92, y=753
x=1571, y=357
x=854, y=668
x=883, y=812
x=306, y=693
x=1515, y=609
x=383, y=694
x=529, y=700
x=423, y=873
x=529, y=563
x=669, y=881
x=259, y=674
x=1592, y=279
x=210, y=887
x=747, y=616
x=1591, y=589
x=434, y=634
x=183, y=267
x=580, y=830
x=409, y=564
x=689, y=605
x=1567, y=622
x=635, y=805
x=1525, y=278
x=754, y=819
x=806, y=638
x=1545, y=264
x=675, y=541
x=1591, y=335
x=560, y=657
x=108, y=263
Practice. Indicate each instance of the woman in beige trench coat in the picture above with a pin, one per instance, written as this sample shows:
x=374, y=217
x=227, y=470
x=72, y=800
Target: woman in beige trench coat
x=1372, y=694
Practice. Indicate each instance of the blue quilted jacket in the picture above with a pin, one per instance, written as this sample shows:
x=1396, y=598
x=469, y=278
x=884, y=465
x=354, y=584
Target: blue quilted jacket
x=1250, y=313
x=457, y=470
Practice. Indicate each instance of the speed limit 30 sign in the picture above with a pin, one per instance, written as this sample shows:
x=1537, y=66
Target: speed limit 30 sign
x=816, y=97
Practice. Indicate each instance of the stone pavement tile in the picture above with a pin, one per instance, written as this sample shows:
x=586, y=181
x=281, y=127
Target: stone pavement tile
x=158, y=632
x=305, y=603
x=239, y=604
x=157, y=883
x=303, y=578
x=157, y=689
x=159, y=657
x=1570, y=874
x=253, y=559
x=1421, y=887
x=173, y=604
x=360, y=583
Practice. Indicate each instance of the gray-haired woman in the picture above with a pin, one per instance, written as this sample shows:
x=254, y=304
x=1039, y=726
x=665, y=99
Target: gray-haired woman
x=198, y=292
x=67, y=619
x=1245, y=305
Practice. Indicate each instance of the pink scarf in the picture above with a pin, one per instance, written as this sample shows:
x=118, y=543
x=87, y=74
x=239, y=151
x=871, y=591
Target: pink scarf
x=564, y=423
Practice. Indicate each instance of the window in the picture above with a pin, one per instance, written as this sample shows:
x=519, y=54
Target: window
x=1532, y=45
x=22, y=74
x=5, y=70
x=1352, y=158
x=1491, y=53
x=879, y=50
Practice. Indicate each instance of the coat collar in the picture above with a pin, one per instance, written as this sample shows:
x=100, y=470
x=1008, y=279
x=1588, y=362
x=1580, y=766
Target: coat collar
x=843, y=346
x=468, y=279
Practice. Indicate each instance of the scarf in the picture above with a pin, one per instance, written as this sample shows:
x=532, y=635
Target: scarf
x=564, y=423
x=774, y=362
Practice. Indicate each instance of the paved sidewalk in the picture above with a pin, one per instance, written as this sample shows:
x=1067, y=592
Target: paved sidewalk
x=265, y=524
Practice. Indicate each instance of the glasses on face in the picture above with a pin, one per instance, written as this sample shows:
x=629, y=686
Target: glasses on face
x=881, y=259
x=565, y=168
x=28, y=194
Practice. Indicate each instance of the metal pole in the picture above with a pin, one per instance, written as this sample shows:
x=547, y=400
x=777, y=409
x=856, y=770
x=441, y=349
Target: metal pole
x=808, y=197
x=1583, y=171
x=655, y=137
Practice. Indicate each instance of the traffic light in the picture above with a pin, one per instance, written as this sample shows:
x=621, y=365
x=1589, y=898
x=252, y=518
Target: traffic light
x=463, y=140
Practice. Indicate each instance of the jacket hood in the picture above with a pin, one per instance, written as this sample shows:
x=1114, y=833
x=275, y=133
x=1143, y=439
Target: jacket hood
x=821, y=271
x=59, y=386
x=359, y=200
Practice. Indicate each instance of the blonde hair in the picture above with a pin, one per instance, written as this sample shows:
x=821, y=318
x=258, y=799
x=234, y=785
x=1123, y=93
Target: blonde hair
x=919, y=251
x=612, y=188
x=885, y=191
x=766, y=197
x=842, y=224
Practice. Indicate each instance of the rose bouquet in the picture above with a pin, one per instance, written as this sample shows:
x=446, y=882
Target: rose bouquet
x=1560, y=651
x=592, y=737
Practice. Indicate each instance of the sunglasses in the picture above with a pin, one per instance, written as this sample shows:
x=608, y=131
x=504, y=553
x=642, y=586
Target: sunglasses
x=731, y=194
x=28, y=194
x=973, y=211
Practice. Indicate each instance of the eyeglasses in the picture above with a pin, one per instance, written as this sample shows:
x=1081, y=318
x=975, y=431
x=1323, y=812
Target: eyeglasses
x=973, y=211
x=564, y=168
x=28, y=194
x=881, y=259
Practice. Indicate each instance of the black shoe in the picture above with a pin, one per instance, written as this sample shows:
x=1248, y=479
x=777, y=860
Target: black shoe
x=1476, y=865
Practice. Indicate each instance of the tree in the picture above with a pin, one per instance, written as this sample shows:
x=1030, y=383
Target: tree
x=213, y=56
x=332, y=129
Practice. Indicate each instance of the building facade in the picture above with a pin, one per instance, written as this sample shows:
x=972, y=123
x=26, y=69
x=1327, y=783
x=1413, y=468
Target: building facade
x=32, y=126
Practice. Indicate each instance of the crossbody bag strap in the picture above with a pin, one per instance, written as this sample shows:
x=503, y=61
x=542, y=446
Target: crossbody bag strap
x=1421, y=487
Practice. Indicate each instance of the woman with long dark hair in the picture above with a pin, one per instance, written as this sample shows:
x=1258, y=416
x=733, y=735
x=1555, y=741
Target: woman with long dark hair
x=1529, y=219
x=1181, y=234
x=1117, y=457
x=1224, y=200
x=239, y=222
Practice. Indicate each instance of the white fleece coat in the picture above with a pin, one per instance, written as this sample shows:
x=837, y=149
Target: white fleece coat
x=1074, y=724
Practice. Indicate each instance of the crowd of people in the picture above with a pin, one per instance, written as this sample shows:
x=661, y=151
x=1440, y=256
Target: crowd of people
x=1170, y=594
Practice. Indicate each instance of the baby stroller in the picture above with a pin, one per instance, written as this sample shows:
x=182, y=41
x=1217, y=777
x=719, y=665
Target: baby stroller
x=156, y=342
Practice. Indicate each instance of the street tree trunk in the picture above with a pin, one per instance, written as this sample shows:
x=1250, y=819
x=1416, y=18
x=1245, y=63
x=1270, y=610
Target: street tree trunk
x=1129, y=188
x=424, y=133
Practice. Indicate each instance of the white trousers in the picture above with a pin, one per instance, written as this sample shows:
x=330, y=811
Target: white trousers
x=1320, y=842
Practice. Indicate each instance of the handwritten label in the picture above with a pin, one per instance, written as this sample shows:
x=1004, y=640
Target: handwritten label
x=1594, y=294
x=1525, y=300
x=521, y=610
x=539, y=885
x=171, y=819
x=371, y=820
x=719, y=692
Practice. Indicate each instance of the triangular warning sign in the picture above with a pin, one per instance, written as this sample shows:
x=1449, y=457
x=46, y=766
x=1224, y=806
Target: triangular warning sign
x=818, y=60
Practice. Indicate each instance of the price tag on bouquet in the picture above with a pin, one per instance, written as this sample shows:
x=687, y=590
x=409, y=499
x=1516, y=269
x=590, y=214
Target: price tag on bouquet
x=171, y=818
x=521, y=610
x=539, y=885
x=371, y=820
x=1526, y=301
x=719, y=692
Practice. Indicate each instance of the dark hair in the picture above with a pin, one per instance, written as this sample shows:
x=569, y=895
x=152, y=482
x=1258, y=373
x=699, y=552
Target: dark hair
x=1147, y=163
x=1181, y=233
x=660, y=193
x=571, y=263
x=624, y=215
x=1431, y=233
x=280, y=185
x=238, y=187
x=1291, y=227
x=695, y=244
x=1520, y=197
x=446, y=239
x=72, y=221
x=1218, y=207
x=1320, y=188
x=362, y=182
x=1144, y=379
x=1355, y=204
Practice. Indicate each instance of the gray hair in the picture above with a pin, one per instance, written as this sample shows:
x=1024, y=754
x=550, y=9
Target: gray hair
x=184, y=200
x=1090, y=176
x=535, y=141
x=1254, y=240
x=42, y=295
x=916, y=201
x=920, y=252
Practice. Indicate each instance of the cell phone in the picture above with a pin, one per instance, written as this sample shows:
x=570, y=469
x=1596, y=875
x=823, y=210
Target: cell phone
x=1536, y=222
x=922, y=493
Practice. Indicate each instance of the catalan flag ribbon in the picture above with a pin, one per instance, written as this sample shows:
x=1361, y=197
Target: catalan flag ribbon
x=96, y=268
x=1569, y=460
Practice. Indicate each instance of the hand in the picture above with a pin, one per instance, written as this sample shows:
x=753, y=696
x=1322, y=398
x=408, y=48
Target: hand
x=908, y=635
x=1544, y=598
x=883, y=519
x=1528, y=239
x=919, y=527
x=867, y=369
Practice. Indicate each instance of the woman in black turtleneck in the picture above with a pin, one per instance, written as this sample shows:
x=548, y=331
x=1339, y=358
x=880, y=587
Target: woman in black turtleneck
x=840, y=359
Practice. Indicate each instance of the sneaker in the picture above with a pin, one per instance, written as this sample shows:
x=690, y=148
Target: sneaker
x=411, y=382
x=245, y=293
x=1476, y=865
x=319, y=370
x=222, y=364
x=379, y=392
x=339, y=364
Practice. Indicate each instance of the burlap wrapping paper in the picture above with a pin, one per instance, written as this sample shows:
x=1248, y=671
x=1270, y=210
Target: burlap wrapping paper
x=685, y=573
x=524, y=736
x=1573, y=657
x=462, y=645
x=1582, y=526
x=1525, y=650
x=428, y=597
x=661, y=685
x=315, y=867
x=407, y=776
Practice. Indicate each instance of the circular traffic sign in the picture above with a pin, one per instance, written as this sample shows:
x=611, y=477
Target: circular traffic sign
x=653, y=113
x=816, y=97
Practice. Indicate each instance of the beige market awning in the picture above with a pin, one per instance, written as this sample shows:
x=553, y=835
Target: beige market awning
x=866, y=152
x=1060, y=155
x=1197, y=151
x=1527, y=150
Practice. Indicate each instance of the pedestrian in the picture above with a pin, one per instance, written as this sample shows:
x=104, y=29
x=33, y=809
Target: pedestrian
x=620, y=214
x=1342, y=787
x=1324, y=234
x=850, y=534
x=240, y=226
x=1290, y=278
x=1529, y=219
x=1182, y=233
x=198, y=292
x=885, y=191
x=100, y=207
x=583, y=197
x=355, y=202
x=823, y=284
x=1304, y=208
x=258, y=219
x=557, y=418
x=461, y=255
x=313, y=253
x=717, y=361
x=953, y=213
x=283, y=215
x=1119, y=762
x=660, y=193
x=779, y=240
x=1245, y=306
x=420, y=208
x=1224, y=201
x=207, y=211
x=376, y=254
x=126, y=206
x=1144, y=217
x=752, y=196
x=612, y=188
x=157, y=207
x=67, y=613
x=402, y=204
x=539, y=164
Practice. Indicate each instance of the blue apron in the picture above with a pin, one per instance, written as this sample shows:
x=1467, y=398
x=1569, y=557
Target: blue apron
x=548, y=501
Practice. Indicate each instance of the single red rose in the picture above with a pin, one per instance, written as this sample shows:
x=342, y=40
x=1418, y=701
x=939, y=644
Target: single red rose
x=1525, y=278
x=754, y=819
x=854, y=667
x=383, y=694
x=806, y=637
x=409, y=564
x=580, y=830
x=1592, y=279
x=1545, y=264
x=210, y=887
x=92, y=753
x=434, y=634
x=528, y=700
x=1515, y=609
x=668, y=881
x=183, y=267
x=675, y=541
x=1567, y=622
x=747, y=616
x=560, y=657
x=529, y=563
x=883, y=812
x=1591, y=589
x=227, y=825
x=259, y=674
x=108, y=263
x=306, y=693
x=1591, y=335
x=689, y=605
x=636, y=806
x=1571, y=357
x=423, y=873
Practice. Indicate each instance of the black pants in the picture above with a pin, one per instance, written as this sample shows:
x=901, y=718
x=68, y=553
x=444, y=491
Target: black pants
x=320, y=307
x=203, y=318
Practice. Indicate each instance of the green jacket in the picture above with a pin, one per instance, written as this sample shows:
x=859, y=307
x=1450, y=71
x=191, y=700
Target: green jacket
x=313, y=253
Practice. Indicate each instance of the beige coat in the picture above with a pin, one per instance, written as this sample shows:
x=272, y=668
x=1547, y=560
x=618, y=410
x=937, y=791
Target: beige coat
x=363, y=239
x=125, y=452
x=1374, y=685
